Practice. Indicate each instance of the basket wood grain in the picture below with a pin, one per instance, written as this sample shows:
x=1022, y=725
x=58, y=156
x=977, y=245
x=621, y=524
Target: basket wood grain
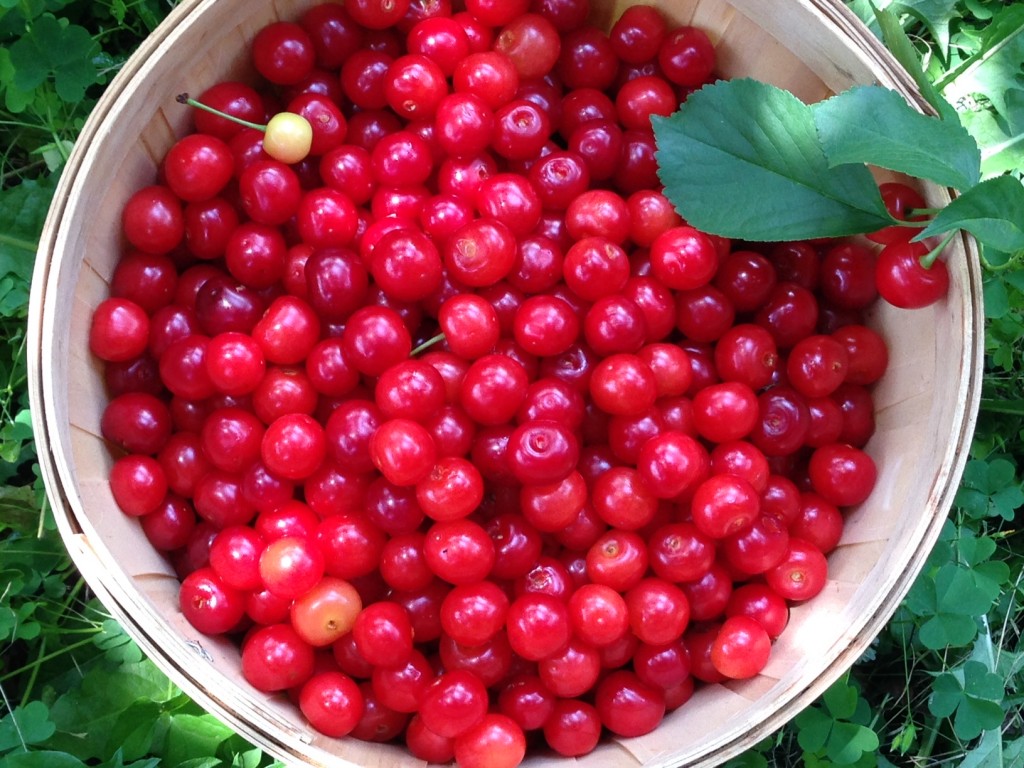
x=926, y=404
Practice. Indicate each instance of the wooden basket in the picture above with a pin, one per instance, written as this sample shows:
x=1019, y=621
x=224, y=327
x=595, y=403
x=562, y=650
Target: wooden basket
x=926, y=403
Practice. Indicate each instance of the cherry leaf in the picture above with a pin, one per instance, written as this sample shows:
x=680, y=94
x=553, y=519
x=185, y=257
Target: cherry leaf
x=874, y=125
x=991, y=211
x=742, y=159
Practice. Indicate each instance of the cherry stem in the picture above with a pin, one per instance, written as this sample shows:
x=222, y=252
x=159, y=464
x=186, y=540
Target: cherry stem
x=929, y=258
x=427, y=344
x=184, y=98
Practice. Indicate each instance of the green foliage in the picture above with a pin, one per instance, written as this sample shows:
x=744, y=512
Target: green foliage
x=22, y=210
x=899, y=43
x=743, y=159
x=837, y=731
x=971, y=692
x=982, y=210
x=55, y=56
x=873, y=125
x=935, y=15
x=990, y=489
x=947, y=601
x=992, y=70
x=984, y=80
x=53, y=49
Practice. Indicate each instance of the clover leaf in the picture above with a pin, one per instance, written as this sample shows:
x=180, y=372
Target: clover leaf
x=57, y=49
x=971, y=694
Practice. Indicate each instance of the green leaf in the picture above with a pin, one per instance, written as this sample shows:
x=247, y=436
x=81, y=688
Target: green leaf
x=987, y=754
x=947, y=694
x=841, y=699
x=996, y=299
x=949, y=602
x=117, y=646
x=742, y=159
x=19, y=623
x=813, y=729
x=15, y=437
x=828, y=731
x=959, y=592
x=999, y=135
x=1014, y=751
x=874, y=125
x=132, y=734
x=53, y=48
x=22, y=211
x=43, y=759
x=26, y=726
x=990, y=489
x=191, y=737
x=118, y=10
x=117, y=761
x=973, y=694
x=86, y=715
x=865, y=10
x=251, y=758
x=994, y=71
x=974, y=550
x=935, y=15
x=849, y=742
x=993, y=212
x=899, y=44
x=948, y=631
x=992, y=576
x=15, y=99
x=19, y=509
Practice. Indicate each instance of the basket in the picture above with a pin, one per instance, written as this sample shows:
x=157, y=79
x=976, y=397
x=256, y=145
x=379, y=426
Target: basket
x=926, y=404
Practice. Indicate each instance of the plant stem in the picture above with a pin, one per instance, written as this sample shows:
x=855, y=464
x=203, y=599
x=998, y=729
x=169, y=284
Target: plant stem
x=929, y=744
x=929, y=258
x=43, y=659
x=18, y=242
x=26, y=695
x=58, y=142
x=1007, y=407
x=184, y=98
x=41, y=527
x=427, y=344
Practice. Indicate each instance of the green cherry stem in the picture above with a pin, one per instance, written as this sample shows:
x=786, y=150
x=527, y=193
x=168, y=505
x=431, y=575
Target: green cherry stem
x=929, y=258
x=427, y=344
x=184, y=98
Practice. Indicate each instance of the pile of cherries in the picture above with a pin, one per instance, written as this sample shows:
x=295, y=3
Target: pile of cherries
x=452, y=421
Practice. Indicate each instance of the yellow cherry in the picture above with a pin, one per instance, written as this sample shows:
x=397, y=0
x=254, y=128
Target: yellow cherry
x=288, y=137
